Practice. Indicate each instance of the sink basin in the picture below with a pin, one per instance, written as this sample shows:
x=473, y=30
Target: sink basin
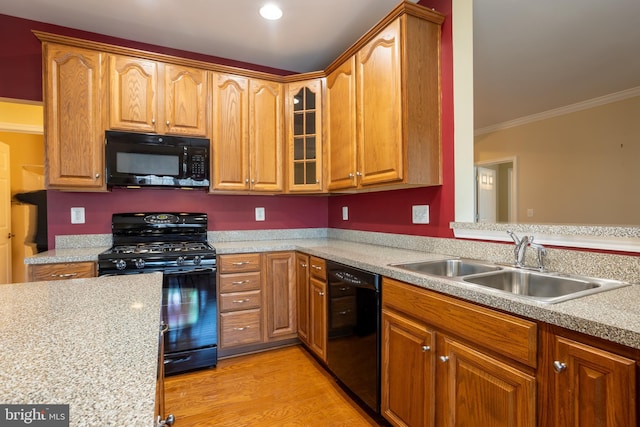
x=449, y=267
x=543, y=287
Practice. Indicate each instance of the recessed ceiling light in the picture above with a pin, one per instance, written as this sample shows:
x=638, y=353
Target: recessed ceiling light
x=271, y=11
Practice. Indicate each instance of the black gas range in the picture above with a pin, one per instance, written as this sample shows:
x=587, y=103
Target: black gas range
x=147, y=242
x=176, y=245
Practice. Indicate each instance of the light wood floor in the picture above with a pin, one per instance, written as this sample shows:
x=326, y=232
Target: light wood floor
x=283, y=387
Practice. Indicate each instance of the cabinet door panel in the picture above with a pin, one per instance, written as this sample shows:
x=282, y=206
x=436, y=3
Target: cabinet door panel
x=341, y=127
x=477, y=389
x=133, y=97
x=230, y=132
x=265, y=135
x=185, y=100
x=302, y=285
x=74, y=132
x=318, y=317
x=281, y=295
x=408, y=377
x=596, y=388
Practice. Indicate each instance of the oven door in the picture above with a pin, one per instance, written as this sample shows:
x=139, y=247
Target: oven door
x=189, y=309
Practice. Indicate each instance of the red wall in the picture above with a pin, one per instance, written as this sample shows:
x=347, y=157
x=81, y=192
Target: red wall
x=388, y=211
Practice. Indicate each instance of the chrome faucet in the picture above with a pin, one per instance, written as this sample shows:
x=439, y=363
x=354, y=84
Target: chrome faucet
x=521, y=247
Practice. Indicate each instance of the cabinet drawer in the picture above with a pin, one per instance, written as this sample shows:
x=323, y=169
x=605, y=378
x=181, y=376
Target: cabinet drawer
x=504, y=334
x=62, y=271
x=239, y=282
x=234, y=301
x=238, y=262
x=240, y=328
x=318, y=268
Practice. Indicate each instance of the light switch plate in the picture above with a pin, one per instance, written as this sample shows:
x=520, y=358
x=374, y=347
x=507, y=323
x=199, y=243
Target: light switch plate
x=77, y=215
x=420, y=214
x=259, y=214
x=345, y=213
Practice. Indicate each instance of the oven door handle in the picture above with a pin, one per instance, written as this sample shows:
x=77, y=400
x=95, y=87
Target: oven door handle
x=184, y=272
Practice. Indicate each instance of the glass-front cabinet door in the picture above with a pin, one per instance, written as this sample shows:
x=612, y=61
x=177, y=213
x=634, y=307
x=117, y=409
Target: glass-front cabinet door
x=304, y=136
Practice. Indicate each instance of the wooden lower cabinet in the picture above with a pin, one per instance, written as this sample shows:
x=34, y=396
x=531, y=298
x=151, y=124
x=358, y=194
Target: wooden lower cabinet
x=475, y=389
x=408, y=371
x=256, y=300
x=311, y=286
x=590, y=386
x=61, y=271
x=432, y=375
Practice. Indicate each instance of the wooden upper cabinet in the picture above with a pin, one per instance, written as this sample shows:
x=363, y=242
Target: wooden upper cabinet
x=340, y=137
x=304, y=136
x=591, y=387
x=133, y=94
x=149, y=96
x=230, y=136
x=396, y=128
x=74, y=131
x=379, y=107
x=185, y=93
x=266, y=142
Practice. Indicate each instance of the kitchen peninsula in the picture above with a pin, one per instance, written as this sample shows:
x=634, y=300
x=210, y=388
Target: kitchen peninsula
x=91, y=344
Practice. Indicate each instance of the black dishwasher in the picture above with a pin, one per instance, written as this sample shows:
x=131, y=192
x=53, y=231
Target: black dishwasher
x=353, y=331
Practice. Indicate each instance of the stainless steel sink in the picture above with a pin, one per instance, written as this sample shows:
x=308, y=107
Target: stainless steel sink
x=449, y=267
x=550, y=288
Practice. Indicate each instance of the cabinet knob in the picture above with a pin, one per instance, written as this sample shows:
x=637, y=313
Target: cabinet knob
x=426, y=348
x=358, y=174
x=97, y=175
x=167, y=122
x=246, y=181
x=153, y=121
x=351, y=175
x=303, y=265
x=559, y=366
x=321, y=293
x=444, y=358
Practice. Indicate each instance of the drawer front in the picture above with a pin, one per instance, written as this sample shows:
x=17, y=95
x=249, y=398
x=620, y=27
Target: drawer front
x=504, y=334
x=240, y=328
x=239, y=282
x=318, y=268
x=62, y=271
x=237, y=263
x=235, y=301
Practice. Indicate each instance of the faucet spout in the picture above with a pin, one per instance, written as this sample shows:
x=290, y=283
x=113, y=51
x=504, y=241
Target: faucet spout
x=521, y=247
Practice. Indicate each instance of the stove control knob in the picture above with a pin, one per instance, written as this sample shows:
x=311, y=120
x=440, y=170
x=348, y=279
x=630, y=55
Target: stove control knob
x=121, y=264
x=197, y=259
x=180, y=260
x=139, y=263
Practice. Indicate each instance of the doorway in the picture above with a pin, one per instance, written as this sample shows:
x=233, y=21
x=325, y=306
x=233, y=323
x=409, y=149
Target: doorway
x=496, y=191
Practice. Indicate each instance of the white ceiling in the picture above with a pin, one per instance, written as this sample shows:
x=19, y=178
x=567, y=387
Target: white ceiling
x=529, y=56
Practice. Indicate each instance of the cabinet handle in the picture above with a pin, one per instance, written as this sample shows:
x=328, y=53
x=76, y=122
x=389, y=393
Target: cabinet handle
x=426, y=348
x=303, y=265
x=315, y=267
x=240, y=301
x=559, y=366
x=240, y=282
x=241, y=328
x=239, y=263
x=444, y=358
x=344, y=313
x=65, y=275
x=351, y=175
x=345, y=288
x=358, y=174
x=321, y=293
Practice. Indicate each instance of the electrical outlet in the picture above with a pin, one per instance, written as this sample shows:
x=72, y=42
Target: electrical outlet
x=259, y=214
x=77, y=215
x=345, y=213
x=420, y=214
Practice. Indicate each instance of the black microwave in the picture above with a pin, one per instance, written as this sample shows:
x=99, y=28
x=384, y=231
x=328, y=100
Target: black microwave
x=139, y=160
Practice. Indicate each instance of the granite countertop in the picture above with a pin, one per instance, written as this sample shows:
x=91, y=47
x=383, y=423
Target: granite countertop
x=613, y=315
x=88, y=343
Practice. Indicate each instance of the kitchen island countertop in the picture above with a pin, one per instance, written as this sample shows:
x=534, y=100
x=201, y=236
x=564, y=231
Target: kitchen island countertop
x=88, y=343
